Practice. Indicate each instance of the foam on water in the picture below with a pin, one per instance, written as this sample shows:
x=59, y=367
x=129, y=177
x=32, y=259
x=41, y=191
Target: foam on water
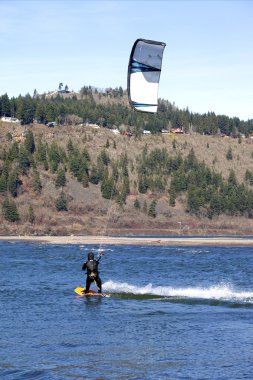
x=222, y=292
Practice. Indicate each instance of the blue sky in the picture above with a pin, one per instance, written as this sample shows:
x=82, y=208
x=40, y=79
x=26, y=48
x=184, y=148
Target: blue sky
x=207, y=63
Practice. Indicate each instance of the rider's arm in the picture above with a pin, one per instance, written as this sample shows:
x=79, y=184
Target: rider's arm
x=99, y=257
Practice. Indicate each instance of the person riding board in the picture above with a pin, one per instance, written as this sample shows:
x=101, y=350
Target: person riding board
x=91, y=265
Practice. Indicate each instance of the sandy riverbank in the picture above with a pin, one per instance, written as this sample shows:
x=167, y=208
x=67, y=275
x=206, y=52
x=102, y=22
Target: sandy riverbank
x=108, y=240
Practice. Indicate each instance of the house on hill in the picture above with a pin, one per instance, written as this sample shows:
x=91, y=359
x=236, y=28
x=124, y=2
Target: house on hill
x=10, y=119
x=64, y=91
x=51, y=124
x=177, y=131
x=115, y=131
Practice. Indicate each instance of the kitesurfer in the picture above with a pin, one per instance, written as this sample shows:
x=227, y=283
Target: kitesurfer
x=91, y=265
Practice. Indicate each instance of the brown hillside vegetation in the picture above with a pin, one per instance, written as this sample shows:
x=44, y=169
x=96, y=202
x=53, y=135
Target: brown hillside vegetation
x=90, y=213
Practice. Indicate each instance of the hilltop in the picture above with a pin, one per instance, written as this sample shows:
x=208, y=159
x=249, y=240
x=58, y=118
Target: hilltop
x=109, y=108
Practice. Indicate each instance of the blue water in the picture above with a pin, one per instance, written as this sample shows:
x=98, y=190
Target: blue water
x=175, y=313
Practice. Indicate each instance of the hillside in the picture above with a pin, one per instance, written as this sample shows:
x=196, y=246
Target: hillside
x=88, y=212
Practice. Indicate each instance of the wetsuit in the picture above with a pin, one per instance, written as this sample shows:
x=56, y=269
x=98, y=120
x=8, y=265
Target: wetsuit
x=92, y=274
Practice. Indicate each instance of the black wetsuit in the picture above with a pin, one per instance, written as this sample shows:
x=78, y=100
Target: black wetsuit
x=92, y=274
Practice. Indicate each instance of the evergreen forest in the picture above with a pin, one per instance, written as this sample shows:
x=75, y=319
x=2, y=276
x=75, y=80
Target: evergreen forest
x=110, y=109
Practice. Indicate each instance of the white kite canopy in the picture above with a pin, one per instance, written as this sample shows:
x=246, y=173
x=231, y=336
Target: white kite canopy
x=144, y=71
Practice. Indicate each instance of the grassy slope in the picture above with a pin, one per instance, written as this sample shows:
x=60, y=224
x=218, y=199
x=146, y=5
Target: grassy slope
x=88, y=211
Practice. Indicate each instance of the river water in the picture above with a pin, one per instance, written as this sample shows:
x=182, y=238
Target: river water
x=174, y=313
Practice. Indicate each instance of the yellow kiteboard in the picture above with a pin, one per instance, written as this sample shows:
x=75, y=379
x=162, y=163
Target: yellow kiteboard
x=81, y=292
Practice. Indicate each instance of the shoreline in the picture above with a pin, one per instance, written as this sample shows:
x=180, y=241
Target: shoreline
x=114, y=240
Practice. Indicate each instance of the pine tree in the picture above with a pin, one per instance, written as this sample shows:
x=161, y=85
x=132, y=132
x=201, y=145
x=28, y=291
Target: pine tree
x=61, y=178
x=191, y=161
x=216, y=205
x=137, y=204
x=232, y=182
x=36, y=183
x=107, y=145
x=85, y=180
x=31, y=216
x=195, y=200
x=104, y=158
x=83, y=170
x=28, y=110
x=180, y=181
x=75, y=163
x=8, y=136
x=54, y=166
x=173, y=195
x=29, y=142
x=20, y=107
x=5, y=105
x=46, y=167
x=13, y=183
x=41, y=152
x=107, y=187
x=124, y=164
x=126, y=186
x=152, y=209
x=24, y=160
x=55, y=156
x=10, y=212
x=229, y=154
x=3, y=183
x=61, y=202
x=115, y=171
x=70, y=147
x=249, y=177
x=85, y=155
x=13, y=152
x=121, y=198
x=50, y=112
x=94, y=176
x=143, y=184
x=40, y=112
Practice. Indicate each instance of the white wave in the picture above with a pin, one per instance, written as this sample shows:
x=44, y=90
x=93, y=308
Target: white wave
x=87, y=248
x=222, y=292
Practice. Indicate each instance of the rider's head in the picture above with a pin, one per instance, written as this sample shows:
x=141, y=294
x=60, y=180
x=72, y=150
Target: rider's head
x=90, y=256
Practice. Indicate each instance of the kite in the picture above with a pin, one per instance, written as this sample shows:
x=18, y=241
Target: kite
x=144, y=71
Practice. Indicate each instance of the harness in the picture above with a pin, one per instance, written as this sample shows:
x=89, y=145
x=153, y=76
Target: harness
x=92, y=268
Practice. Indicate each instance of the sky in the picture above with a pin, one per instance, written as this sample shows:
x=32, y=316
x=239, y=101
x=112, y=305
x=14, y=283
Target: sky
x=207, y=62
